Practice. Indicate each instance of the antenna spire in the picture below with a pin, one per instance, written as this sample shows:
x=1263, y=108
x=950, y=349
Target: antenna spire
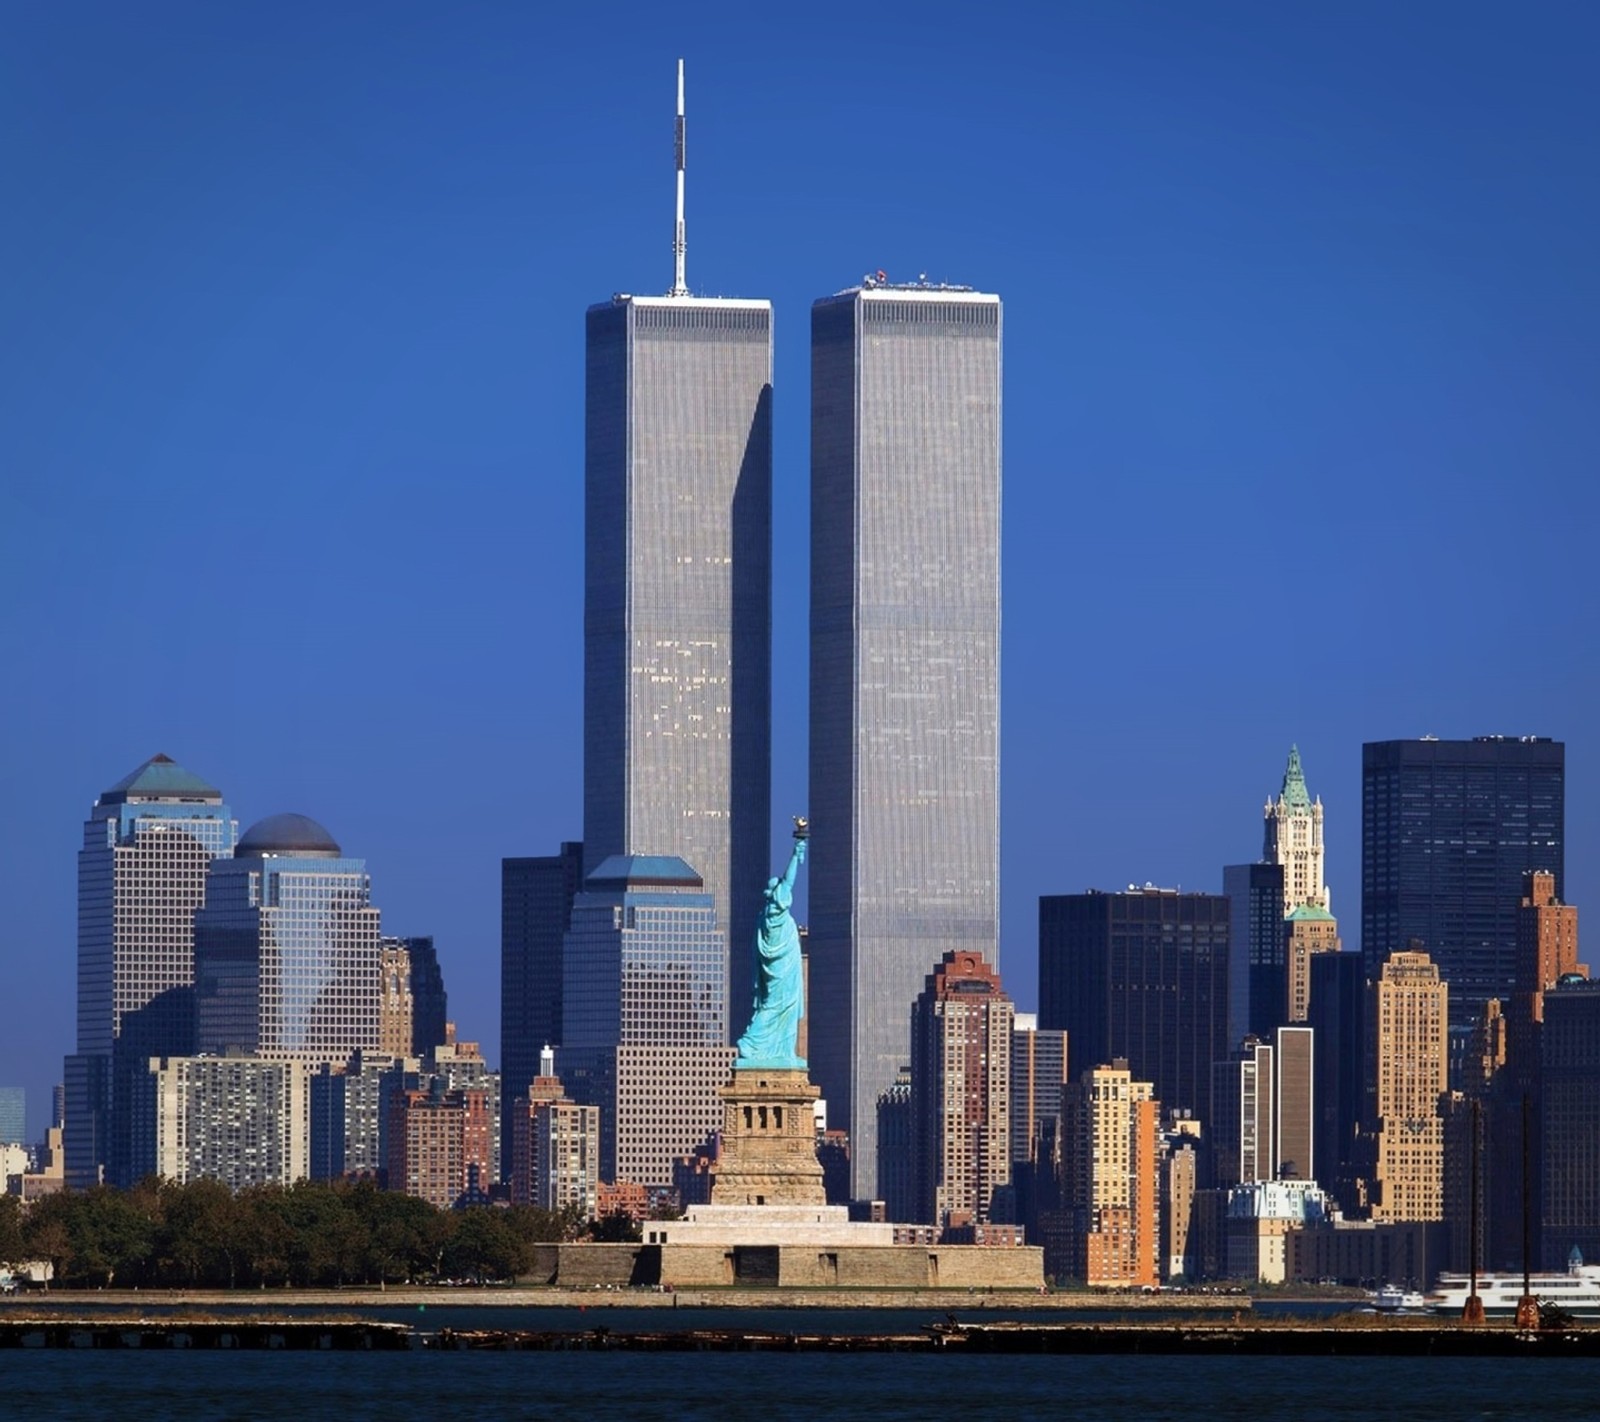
x=679, y=245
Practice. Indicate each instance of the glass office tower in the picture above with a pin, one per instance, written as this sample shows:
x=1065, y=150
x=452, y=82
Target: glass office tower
x=645, y=1021
x=678, y=593
x=141, y=874
x=905, y=660
x=286, y=949
x=1448, y=829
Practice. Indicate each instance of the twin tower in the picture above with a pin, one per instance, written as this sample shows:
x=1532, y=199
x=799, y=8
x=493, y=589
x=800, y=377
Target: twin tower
x=904, y=638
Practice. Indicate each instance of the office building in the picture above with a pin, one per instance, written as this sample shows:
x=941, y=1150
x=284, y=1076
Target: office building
x=1257, y=970
x=1262, y=1103
x=240, y=1120
x=1338, y=1022
x=1449, y=829
x=286, y=949
x=1294, y=840
x=438, y=1144
x=13, y=1115
x=430, y=1005
x=645, y=1004
x=897, y=1177
x=1569, y=1213
x=536, y=897
x=905, y=661
x=1143, y=976
x=1184, y=1175
x=677, y=678
x=1038, y=1078
x=961, y=1028
x=1410, y=1004
x=1307, y=931
x=395, y=1004
x=141, y=874
x=1111, y=1180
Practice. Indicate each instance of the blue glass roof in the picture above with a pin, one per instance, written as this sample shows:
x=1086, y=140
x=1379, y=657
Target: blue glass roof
x=160, y=778
x=656, y=869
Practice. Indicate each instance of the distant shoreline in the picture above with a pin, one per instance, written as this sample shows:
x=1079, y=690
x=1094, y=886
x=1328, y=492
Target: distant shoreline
x=582, y=1300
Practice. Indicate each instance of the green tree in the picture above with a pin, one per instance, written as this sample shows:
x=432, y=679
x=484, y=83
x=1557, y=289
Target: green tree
x=482, y=1244
x=12, y=1250
x=47, y=1233
x=202, y=1235
x=403, y=1235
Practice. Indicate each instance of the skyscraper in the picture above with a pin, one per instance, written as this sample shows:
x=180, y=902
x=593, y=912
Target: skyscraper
x=645, y=1023
x=1338, y=1022
x=1143, y=976
x=960, y=1090
x=905, y=655
x=1448, y=829
x=430, y=1004
x=1294, y=839
x=1257, y=970
x=395, y=1006
x=1110, y=1179
x=1569, y=1211
x=286, y=955
x=13, y=1115
x=141, y=874
x=678, y=588
x=536, y=895
x=1409, y=1011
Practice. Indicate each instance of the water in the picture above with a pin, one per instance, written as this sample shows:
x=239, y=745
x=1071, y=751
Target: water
x=742, y=1387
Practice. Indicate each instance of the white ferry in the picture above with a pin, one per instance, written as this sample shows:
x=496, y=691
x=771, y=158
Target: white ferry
x=1391, y=1298
x=1577, y=1290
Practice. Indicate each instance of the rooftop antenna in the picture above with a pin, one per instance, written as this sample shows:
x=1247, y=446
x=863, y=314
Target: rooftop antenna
x=679, y=245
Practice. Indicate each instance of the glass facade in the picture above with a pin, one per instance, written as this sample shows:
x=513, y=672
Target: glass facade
x=678, y=592
x=1257, y=976
x=905, y=647
x=536, y=897
x=1448, y=829
x=1141, y=975
x=147, y=846
x=287, y=958
x=646, y=1024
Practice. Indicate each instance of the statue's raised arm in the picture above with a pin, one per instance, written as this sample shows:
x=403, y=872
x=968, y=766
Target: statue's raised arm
x=769, y=1040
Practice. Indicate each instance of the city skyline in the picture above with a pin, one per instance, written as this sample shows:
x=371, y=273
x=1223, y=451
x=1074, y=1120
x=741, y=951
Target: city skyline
x=348, y=369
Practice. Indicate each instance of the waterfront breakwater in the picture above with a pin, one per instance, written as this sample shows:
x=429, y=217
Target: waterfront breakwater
x=1420, y=1338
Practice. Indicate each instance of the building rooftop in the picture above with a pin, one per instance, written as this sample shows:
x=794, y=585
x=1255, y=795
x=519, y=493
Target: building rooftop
x=299, y=835
x=161, y=778
x=1294, y=793
x=1310, y=912
x=643, y=871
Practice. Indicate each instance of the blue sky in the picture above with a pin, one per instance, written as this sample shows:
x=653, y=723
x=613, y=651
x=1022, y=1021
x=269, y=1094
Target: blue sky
x=1302, y=353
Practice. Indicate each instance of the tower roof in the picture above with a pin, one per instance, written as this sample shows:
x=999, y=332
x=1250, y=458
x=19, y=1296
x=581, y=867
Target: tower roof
x=288, y=834
x=643, y=870
x=160, y=778
x=1294, y=783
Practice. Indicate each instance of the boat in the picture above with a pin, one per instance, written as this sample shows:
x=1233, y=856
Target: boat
x=1577, y=1290
x=1391, y=1298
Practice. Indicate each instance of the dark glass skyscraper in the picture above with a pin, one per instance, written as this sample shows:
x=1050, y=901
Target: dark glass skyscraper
x=905, y=654
x=536, y=897
x=1448, y=829
x=1141, y=975
x=1257, y=976
x=678, y=594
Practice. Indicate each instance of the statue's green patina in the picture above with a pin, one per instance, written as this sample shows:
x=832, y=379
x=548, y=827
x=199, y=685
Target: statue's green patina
x=769, y=1040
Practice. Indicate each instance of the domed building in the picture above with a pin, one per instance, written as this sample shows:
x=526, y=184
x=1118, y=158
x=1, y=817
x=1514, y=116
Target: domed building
x=286, y=948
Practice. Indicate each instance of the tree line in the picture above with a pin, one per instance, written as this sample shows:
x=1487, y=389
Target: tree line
x=312, y=1234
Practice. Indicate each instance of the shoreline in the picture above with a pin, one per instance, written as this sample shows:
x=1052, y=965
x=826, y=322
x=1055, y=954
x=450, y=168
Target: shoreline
x=585, y=1300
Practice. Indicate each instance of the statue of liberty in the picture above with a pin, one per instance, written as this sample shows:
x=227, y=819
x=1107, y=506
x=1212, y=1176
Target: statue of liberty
x=769, y=1040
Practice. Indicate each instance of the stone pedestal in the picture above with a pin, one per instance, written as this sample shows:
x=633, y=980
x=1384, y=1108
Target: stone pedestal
x=769, y=1141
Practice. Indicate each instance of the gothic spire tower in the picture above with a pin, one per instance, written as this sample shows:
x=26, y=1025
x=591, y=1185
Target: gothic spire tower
x=678, y=587
x=1294, y=840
